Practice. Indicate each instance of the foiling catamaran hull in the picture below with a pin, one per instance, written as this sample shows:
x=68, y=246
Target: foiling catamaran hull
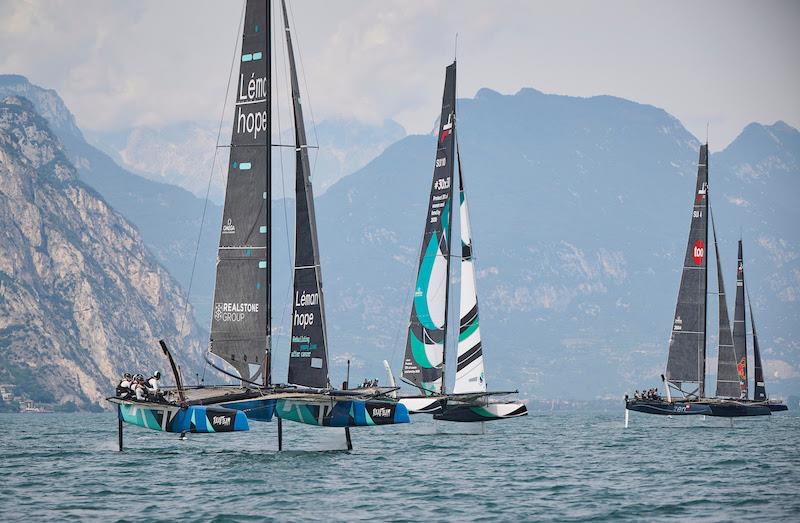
x=712, y=407
x=423, y=404
x=166, y=417
x=475, y=413
x=341, y=412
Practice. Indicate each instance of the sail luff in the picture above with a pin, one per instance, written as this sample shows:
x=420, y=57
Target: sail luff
x=469, y=362
x=727, y=377
x=308, y=356
x=423, y=362
x=687, y=345
x=740, y=328
x=240, y=322
x=759, y=389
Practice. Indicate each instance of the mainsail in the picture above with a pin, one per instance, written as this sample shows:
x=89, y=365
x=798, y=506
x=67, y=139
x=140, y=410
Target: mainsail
x=740, y=329
x=308, y=356
x=759, y=391
x=423, y=364
x=469, y=363
x=240, y=323
x=687, y=345
x=727, y=377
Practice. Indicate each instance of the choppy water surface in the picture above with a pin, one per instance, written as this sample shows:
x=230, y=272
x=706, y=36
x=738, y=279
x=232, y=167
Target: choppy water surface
x=543, y=467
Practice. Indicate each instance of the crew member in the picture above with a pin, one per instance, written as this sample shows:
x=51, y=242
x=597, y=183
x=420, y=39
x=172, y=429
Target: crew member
x=124, y=386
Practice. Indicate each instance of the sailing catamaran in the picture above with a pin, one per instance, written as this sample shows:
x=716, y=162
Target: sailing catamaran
x=686, y=363
x=241, y=321
x=740, y=345
x=426, y=343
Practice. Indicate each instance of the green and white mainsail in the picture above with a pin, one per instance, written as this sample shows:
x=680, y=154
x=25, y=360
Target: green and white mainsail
x=727, y=377
x=740, y=328
x=424, y=361
x=686, y=362
x=469, y=361
x=308, y=356
x=240, y=323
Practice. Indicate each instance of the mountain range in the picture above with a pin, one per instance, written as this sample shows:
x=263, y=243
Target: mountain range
x=81, y=298
x=580, y=210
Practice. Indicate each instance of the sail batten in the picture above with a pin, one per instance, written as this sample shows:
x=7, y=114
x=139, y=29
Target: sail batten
x=240, y=322
x=308, y=355
x=740, y=329
x=727, y=377
x=687, y=345
x=424, y=360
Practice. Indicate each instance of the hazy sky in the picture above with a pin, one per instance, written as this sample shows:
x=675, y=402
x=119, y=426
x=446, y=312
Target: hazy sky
x=119, y=63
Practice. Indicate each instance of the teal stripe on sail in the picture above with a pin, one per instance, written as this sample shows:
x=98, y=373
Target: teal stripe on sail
x=423, y=283
x=418, y=350
x=469, y=330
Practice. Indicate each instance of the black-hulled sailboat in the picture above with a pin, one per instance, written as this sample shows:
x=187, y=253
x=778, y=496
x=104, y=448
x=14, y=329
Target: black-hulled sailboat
x=426, y=344
x=686, y=363
x=241, y=320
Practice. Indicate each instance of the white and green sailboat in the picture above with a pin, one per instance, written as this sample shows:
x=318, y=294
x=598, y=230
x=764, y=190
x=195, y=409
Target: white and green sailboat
x=424, y=363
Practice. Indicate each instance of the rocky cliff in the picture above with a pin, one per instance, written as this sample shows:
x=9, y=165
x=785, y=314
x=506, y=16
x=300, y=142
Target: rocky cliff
x=81, y=298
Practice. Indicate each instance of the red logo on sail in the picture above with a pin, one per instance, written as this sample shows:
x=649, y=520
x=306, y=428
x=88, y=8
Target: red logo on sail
x=740, y=369
x=699, y=252
x=447, y=128
x=700, y=194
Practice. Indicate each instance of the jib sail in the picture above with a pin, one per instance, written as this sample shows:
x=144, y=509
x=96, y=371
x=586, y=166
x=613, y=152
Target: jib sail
x=308, y=356
x=240, y=322
x=740, y=328
x=727, y=377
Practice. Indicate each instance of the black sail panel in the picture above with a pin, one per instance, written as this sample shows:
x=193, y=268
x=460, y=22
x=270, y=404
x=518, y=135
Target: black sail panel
x=424, y=360
x=727, y=377
x=308, y=355
x=240, y=320
x=687, y=351
x=759, y=391
x=740, y=329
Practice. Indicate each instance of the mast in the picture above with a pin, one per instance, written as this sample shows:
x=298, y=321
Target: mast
x=759, y=391
x=240, y=323
x=727, y=377
x=687, y=345
x=423, y=363
x=469, y=363
x=740, y=329
x=308, y=356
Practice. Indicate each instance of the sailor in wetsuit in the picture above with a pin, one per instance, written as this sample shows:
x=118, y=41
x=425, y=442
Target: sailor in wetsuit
x=152, y=385
x=138, y=387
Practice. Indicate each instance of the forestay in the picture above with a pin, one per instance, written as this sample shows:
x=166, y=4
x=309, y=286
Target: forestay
x=241, y=319
x=423, y=364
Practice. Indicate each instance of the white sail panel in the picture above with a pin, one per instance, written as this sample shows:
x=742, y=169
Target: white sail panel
x=469, y=363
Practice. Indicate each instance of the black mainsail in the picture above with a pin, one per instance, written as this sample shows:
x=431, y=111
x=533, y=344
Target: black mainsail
x=727, y=377
x=686, y=362
x=240, y=323
x=740, y=328
x=424, y=361
x=308, y=356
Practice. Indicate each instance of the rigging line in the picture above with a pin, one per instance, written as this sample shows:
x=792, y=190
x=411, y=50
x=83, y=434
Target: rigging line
x=308, y=92
x=211, y=176
x=287, y=299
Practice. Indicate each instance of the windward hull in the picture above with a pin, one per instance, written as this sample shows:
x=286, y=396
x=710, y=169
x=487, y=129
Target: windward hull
x=341, y=413
x=475, y=413
x=423, y=404
x=197, y=419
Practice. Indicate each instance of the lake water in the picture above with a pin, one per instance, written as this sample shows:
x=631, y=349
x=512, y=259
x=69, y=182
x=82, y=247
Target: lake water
x=553, y=466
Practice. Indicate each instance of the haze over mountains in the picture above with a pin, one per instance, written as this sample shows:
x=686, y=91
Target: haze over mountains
x=580, y=209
